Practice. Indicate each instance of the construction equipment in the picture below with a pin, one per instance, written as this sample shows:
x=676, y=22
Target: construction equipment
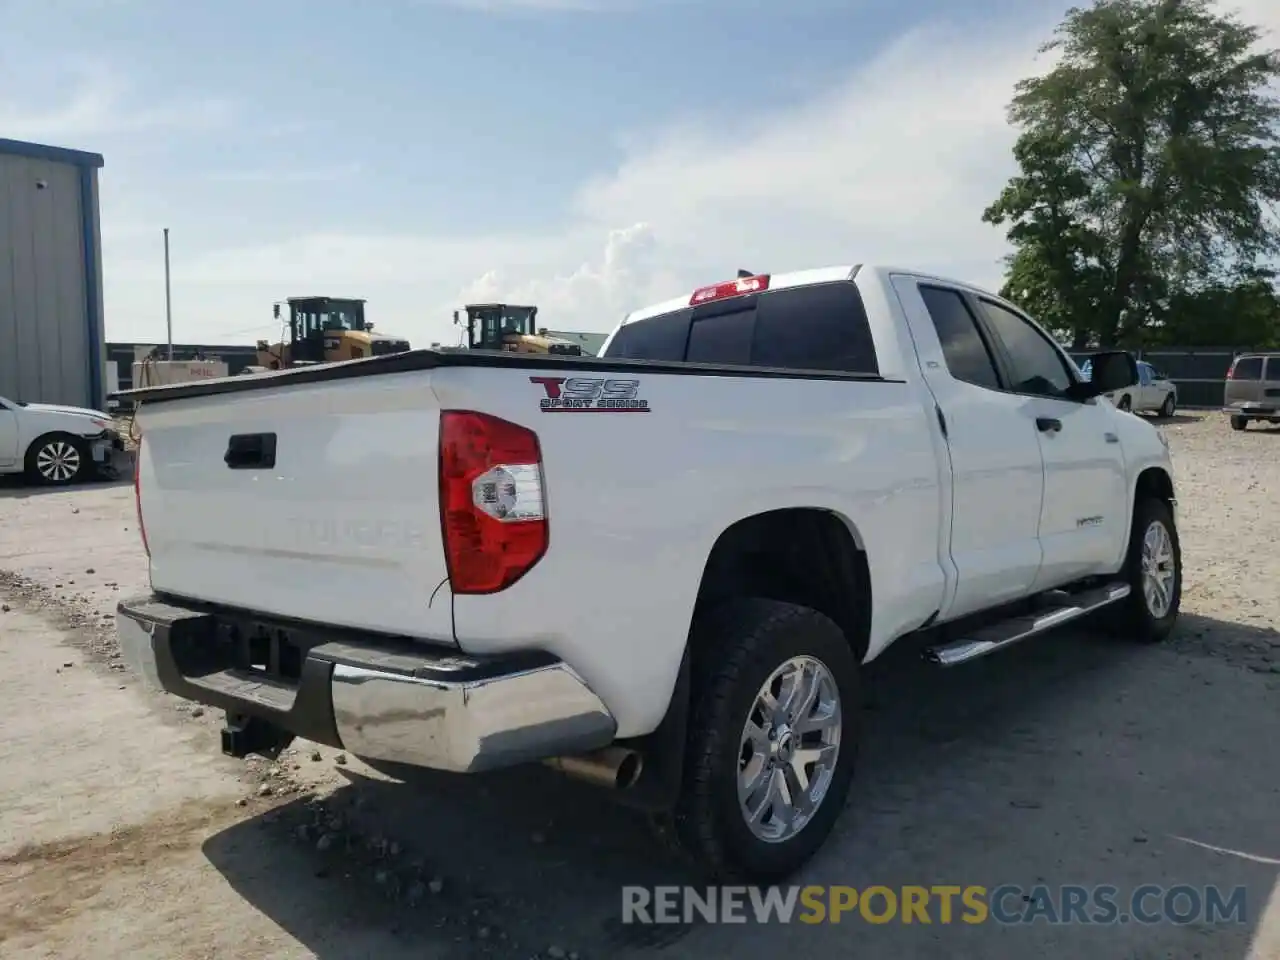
x=505, y=326
x=323, y=330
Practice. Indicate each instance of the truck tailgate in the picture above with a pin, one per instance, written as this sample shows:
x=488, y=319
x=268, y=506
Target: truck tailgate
x=310, y=501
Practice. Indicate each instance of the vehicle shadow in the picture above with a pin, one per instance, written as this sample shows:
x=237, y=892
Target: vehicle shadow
x=1176, y=418
x=18, y=488
x=1074, y=758
x=1241, y=644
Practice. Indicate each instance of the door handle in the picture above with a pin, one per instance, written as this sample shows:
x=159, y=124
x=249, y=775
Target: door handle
x=1048, y=424
x=251, y=451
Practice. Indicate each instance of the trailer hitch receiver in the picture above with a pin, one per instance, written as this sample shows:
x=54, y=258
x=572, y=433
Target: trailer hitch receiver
x=243, y=735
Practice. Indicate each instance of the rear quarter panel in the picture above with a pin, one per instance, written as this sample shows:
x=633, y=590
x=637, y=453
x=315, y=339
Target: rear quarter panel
x=637, y=500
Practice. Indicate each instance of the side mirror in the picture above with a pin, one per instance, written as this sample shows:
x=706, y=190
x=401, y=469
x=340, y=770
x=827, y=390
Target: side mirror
x=1113, y=370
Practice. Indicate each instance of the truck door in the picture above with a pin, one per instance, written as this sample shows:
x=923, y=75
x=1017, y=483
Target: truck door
x=997, y=474
x=1146, y=396
x=1084, y=523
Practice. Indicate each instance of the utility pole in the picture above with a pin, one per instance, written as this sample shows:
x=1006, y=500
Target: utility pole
x=168, y=302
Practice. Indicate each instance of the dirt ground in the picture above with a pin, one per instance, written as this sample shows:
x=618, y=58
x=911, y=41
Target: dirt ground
x=1073, y=759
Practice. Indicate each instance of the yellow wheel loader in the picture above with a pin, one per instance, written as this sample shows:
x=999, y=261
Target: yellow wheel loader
x=323, y=330
x=505, y=326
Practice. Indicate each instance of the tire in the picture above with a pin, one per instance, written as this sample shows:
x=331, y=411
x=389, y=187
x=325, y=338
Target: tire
x=58, y=460
x=1239, y=423
x=1125, y=403
x=1168, y=407
x=738, y=649
x=1138, y=616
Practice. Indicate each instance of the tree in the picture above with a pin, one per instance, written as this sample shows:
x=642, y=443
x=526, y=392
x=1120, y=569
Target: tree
x=1149, y=169
x=1246, y=313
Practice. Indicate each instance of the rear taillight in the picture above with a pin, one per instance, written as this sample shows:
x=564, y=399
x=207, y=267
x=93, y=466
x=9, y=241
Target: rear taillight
x=137, y=495
x=1231, y=371
x=492, y=512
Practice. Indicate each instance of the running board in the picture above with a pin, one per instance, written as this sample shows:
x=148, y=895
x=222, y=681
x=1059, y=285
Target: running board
x=1060, y=608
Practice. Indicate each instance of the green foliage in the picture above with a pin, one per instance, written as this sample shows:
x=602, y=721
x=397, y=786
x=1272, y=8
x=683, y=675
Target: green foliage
x=1149, y=170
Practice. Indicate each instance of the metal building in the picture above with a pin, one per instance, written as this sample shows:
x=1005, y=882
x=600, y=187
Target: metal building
x=52, y=344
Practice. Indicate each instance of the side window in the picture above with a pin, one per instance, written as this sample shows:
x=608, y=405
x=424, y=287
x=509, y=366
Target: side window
x=967, y=356
x=1037, y=365
x=1247, y=368
x=1145, y=375
x=818, y=327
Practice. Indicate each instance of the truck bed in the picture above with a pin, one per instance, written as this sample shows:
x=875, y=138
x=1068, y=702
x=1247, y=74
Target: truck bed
x=413, y=361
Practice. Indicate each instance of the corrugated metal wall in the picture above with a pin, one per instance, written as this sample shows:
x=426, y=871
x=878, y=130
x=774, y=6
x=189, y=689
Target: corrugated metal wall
x=46, y=349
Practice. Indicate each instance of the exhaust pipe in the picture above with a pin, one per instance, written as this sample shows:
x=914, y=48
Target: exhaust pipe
x=614, y=768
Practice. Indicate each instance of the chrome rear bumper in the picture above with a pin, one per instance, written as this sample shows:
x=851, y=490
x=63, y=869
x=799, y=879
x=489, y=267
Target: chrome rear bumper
x=380, y=698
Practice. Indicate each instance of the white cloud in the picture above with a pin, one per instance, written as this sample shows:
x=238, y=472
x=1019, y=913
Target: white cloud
x=893, y=163
x=608, y=287
x=558, y=6
x=288, y=175
x=549, y=6
x=101, y=103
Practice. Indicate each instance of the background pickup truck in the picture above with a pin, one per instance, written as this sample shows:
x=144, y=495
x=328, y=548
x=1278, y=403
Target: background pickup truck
x=1153, y=393
x=661, y=569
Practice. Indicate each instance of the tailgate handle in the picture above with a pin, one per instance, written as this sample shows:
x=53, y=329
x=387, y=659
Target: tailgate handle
x=251, y=451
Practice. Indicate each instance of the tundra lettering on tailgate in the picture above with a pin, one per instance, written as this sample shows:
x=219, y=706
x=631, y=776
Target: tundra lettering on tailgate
x=590, y=395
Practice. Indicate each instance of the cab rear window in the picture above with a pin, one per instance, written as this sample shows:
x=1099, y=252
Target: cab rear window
x=817, y=327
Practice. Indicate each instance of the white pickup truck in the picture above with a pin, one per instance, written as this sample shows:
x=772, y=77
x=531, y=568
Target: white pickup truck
x=661, y=569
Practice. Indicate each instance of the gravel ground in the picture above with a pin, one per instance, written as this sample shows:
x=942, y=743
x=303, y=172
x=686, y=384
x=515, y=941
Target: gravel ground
x=1072, y=759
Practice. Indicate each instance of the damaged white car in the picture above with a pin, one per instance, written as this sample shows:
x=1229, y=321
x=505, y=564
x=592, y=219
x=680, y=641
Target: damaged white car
x=55, y=445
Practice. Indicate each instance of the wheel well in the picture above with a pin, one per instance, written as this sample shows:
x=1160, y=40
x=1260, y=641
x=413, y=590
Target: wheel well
x=1153, y=483
x=805, y=556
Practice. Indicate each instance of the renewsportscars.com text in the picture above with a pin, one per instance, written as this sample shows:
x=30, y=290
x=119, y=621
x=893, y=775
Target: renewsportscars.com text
x=936, y=904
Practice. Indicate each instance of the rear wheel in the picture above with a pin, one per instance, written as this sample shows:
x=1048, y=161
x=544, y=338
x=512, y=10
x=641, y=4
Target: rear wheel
x=1239, y=423
x=1167, y=408
x=772, y=740
x=58, y=459
x=1153, y=570
x=1125, y=403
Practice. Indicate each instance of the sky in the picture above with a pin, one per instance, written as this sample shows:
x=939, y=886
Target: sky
x=587, y=156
